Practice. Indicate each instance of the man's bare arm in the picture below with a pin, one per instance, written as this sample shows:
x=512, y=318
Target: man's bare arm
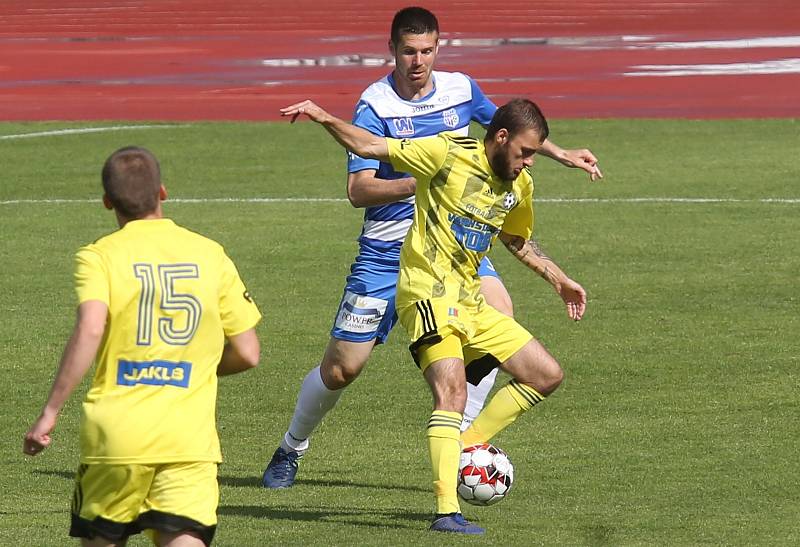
x=242, y=352
x=364, y=190
x=357, y=140
x=582, y=158
x=530, y=253
x=77, y=359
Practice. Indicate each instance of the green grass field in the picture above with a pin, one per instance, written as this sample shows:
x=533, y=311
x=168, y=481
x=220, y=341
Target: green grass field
x=677, y=423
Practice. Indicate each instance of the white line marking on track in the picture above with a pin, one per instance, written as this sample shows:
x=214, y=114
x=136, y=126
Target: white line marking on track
x=738, y=43
x=343, y=200
x=82, y=130
x=776, y=66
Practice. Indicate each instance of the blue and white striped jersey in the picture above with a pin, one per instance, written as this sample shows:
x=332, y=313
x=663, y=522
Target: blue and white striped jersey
x=455, y=100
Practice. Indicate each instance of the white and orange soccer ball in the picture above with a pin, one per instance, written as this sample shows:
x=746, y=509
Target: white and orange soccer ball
x=485, y=474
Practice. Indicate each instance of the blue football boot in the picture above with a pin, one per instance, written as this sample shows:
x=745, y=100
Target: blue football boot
x=455, y=523
x=281, y=470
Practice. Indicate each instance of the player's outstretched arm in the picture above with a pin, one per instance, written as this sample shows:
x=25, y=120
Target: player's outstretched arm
x=242, y=352
x=582, y=158
x=529, y=253
x=364, y=190
x=357, y=140
x=78, y=356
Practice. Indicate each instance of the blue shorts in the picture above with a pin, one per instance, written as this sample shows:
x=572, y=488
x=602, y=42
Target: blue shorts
x=366, y=311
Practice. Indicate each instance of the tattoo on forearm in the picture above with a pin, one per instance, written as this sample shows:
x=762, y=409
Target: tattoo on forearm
x=537, y=249
x=548, y=275
x=517, y=246
x=522, y=248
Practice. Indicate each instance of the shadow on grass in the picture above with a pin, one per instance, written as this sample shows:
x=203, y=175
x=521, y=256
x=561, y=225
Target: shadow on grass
x=69, y=475
x=255, y=482
x=62, y=511
x=370, y=518
x=599, y=534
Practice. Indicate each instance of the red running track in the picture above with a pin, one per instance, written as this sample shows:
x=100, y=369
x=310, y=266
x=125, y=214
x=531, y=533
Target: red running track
x=189, y=60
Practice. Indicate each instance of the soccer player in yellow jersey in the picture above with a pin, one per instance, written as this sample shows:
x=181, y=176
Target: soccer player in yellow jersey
x=163, y=312
x=469, y=192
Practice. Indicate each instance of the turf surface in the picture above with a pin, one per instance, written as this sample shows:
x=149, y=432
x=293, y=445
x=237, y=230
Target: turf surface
x=677, y=422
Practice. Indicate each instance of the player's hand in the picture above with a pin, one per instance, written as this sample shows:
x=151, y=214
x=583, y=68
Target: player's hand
x=574, y=296
x=583, y=159
x=38, y=436
x=309, y=108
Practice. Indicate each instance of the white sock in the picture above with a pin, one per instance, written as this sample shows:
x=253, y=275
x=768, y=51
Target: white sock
x=313, y=403
x=476, y=397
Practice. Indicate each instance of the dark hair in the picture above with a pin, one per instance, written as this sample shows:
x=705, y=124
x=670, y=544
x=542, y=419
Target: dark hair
x=131, y=180
x=517, y=115
x=413, y=20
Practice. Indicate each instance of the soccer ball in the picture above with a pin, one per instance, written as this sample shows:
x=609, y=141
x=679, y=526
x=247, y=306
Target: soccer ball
x=485, y=474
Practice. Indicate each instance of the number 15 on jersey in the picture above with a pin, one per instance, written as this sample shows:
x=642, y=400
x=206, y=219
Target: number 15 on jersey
x=181, y=311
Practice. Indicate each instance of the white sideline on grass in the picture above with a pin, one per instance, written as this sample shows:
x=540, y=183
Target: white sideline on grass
x=77, y=131
x=343, y=200
x=82, y=130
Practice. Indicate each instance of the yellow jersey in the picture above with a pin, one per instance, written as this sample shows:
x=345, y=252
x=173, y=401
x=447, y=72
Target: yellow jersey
x=173, y=296
x=461, y=206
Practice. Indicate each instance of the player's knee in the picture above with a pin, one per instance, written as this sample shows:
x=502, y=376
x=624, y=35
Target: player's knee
x=505, y=306
x=337, y=374
x=451, y=397
x=551, y=377
x=183, y=539
x=460, y=400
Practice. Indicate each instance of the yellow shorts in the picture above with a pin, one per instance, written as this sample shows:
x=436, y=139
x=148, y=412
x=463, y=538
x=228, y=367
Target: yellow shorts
x=441, y=329
x=117, y=501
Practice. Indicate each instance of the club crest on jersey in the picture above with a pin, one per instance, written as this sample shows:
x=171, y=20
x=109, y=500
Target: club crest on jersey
x=403, y=127
x=509, y=200
x=450, y=118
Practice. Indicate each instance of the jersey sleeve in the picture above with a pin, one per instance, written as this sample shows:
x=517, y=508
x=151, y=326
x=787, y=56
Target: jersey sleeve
x=366, y=118
x=237, y=308
x=421, y=157
x=91, y=276
x=482, y=108
x=519, y=221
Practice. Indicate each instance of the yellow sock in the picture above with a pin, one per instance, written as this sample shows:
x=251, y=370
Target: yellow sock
x=505, y=407
x=445, y=449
